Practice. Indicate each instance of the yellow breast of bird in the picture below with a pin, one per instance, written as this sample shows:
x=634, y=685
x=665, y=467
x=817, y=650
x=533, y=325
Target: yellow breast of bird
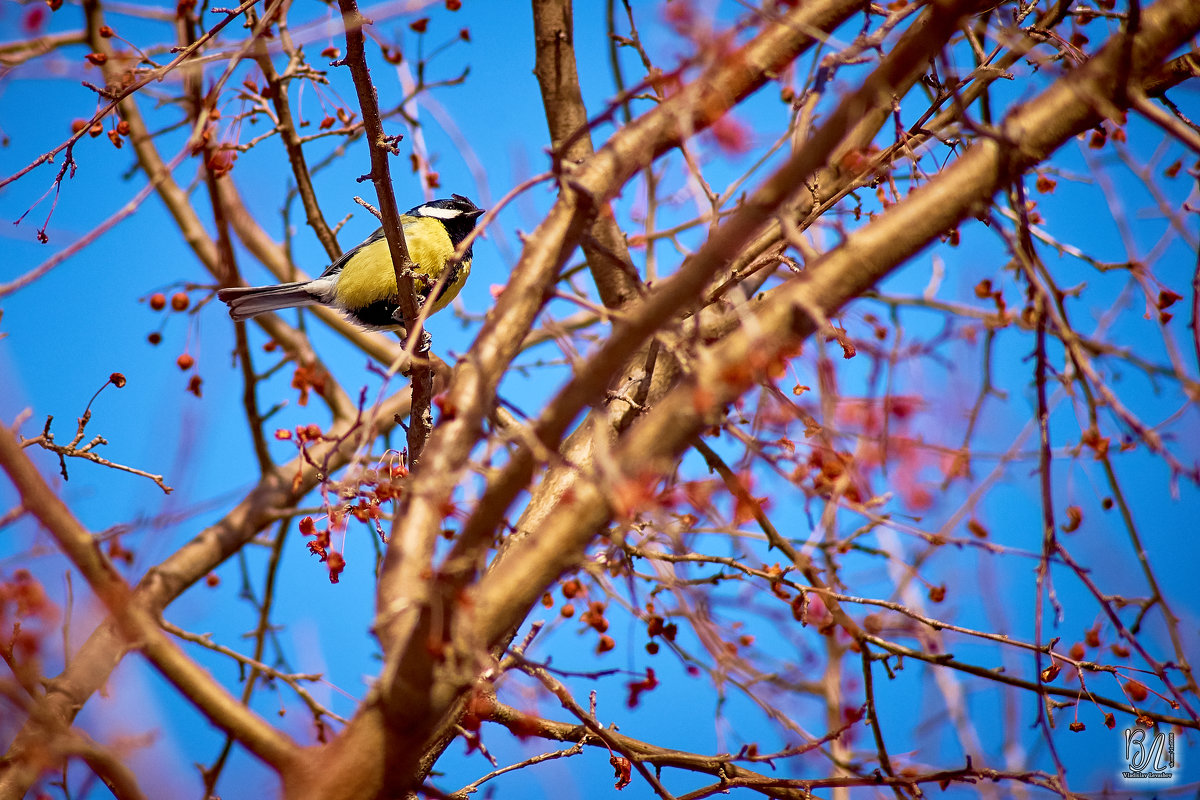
x=368, y=275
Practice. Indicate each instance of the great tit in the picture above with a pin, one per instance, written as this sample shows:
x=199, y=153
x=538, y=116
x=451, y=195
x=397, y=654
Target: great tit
x=362, y=283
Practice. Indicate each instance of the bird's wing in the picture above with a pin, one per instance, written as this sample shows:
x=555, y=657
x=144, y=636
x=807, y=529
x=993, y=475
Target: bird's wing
x=336, y=266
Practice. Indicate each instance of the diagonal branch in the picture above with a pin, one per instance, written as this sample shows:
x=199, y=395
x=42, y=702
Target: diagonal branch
x=895, y=75
x=136, y=621
x=472, y=390
x=92, y=665
x=783, y=319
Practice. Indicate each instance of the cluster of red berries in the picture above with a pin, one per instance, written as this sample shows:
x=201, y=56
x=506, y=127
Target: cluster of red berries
x=179, y=302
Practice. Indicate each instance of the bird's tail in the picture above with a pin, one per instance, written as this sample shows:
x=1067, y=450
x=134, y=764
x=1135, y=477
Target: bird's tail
x=250, y=301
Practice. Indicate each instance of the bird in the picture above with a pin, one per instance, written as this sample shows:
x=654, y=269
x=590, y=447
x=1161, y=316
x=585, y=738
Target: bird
x=362, y=283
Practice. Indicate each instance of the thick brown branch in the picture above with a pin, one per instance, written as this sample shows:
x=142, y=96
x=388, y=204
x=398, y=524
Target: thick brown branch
x=92, y=665
x=605, y=248
x=895, y=74
x=787, y=317
x=136, y=621
x=472, y=390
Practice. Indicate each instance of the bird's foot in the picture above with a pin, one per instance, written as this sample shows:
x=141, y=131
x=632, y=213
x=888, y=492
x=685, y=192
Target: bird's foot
x=423, y=345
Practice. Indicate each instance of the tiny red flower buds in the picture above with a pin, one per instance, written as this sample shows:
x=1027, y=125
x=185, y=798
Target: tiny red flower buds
x=1166, y=299
x=623, y=769
x=337, y=563
x=1046, y=184
x=1074, y=519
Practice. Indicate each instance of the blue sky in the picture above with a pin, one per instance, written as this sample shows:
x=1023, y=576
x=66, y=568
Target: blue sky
x=64, y=334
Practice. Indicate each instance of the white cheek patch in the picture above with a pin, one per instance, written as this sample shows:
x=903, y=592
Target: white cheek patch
x=439, y=213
